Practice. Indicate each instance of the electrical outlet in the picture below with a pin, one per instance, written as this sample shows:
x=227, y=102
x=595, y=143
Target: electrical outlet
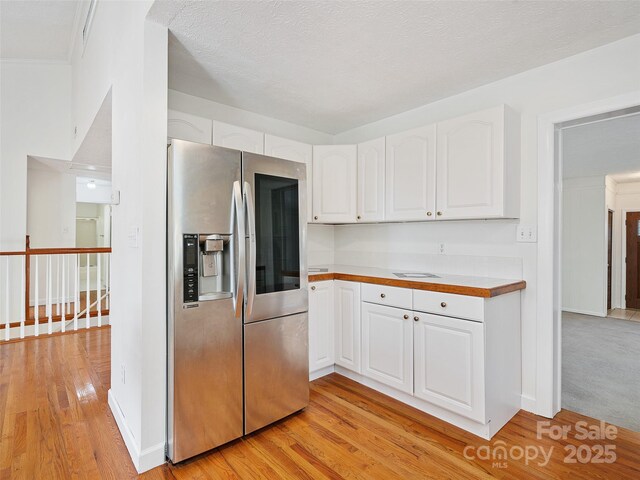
x=134, y=233
x=442, y=249
x=527, y=234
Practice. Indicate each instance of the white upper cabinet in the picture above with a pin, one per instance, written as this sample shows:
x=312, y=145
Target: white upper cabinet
x=238, y=138
x=347, y=324
x=295, y=151
x=478, y=165
x=449, y=364
x=334, y=183
x=185, y=126
x=371, y=162
x=411, y=175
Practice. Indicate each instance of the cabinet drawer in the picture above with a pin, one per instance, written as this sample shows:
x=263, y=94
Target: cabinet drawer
x=460, y=306
x=384, y=295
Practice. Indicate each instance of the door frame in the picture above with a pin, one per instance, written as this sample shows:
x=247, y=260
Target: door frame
x=623, y=264
x=610, y=230
x=549, y=291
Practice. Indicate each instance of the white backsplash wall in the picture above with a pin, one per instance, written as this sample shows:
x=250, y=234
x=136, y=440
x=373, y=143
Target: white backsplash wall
x=320, y=244
x=479, y=248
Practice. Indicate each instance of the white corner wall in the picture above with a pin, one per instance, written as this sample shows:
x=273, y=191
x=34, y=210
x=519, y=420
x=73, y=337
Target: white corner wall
x=129, y=55
x=594, y=75
x=35, y=119
x=584, y=246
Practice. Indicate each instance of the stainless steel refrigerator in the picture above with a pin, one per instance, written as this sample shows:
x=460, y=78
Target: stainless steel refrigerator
x=237, y=279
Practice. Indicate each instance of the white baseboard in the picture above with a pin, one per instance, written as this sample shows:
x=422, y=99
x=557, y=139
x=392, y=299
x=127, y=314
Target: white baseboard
x=322, y=372
x=529, y=404
x=147, y=459
x=584, y=312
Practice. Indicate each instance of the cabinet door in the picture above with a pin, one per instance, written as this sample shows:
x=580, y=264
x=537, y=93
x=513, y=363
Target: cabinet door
x=449, y=364
x=371, y=173
x=387, y=346
x=295, y=151
x=411, y=174
x=334, y=183
x=321, y=325
x=470, y=165
x=347, y=323
x=238, y=138
x=185, y=126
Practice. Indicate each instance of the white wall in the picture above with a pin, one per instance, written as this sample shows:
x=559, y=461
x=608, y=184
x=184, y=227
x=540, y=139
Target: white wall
x=35, y=119
x=627, y=199
x=51, y=209
x=593, y=75
x=584, y=246
x=100, y=194
x=129, y=55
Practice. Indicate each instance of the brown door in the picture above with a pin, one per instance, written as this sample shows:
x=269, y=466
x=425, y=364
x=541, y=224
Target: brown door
x=609, y=256
x=633, y=260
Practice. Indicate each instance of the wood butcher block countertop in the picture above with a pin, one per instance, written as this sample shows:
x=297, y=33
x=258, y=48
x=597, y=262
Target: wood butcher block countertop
x=456, y=284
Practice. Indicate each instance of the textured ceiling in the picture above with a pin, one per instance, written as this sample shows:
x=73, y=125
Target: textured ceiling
x=37, y=30
x=335, y=65
x=602, y=148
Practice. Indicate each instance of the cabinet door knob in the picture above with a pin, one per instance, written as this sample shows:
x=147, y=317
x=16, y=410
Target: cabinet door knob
x=315, y=218
x=406, y=317
x=429, y=214
x=439, y=214
x=359, y=217
x=382, y=295
x=443, y=304
x=416, y=318
x=313, y=287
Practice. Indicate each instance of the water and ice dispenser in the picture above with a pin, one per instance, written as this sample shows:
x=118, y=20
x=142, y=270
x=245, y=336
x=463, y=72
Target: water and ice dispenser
x=206, y=263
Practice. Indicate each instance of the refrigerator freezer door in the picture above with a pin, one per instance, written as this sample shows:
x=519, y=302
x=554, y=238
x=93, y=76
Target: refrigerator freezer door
x=204, y=351
x=276, y=366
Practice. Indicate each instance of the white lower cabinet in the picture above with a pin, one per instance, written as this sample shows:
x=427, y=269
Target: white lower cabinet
x=321, y=325
x=449, y=364
x=387, y=346
x=346, y=297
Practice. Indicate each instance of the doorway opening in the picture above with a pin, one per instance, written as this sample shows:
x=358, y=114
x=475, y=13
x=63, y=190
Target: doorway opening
x=599, y=226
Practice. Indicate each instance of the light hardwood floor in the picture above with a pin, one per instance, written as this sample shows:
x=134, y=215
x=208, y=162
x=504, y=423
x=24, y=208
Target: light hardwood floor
x=55, y=424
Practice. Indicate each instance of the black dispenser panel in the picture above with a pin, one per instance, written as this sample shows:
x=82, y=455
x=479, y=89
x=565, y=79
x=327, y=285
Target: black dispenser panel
x=190, y=262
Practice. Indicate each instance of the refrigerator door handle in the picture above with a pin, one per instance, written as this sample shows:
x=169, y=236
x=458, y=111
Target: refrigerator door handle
x=251, y=220
x=238, y=220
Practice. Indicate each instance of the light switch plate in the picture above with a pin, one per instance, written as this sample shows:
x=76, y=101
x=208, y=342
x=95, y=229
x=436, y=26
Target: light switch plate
x=134, y=233
x=115, y=197
x=527, y=234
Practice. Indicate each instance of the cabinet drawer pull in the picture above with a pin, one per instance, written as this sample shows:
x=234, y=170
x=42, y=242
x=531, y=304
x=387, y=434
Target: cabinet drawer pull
x=406, y=317
x=429, y=214
x=416, y=318
x=315, y=218
x=382, y=295
x=359, y=217
x=443, y=304
x=439, y=214
x=313, y=287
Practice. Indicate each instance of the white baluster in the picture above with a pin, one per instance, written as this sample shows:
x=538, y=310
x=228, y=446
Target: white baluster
x=7, y=330
x=107, y=277
x=49, y=293
x=57, y=280
x=99, y=289
x=76, y=298
x=23, y=265
x=63, y=318
x=36, y=303
x=88, y=295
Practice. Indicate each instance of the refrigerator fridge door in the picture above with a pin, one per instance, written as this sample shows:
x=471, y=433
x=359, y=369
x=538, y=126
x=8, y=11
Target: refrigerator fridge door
x=276, y=206
x=205, y=217
x=276, y=369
